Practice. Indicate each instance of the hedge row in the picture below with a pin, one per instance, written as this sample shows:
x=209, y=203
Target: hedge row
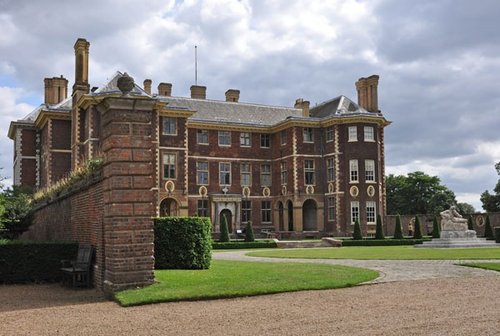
x=381, y=242
x=182, y=243
x=22, y=261
x=244, y=245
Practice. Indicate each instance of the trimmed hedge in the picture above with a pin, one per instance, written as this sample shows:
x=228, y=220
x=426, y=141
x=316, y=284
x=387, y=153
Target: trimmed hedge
x=382, y=242
x=23, y=261
x=182, y=243
x=244, y=245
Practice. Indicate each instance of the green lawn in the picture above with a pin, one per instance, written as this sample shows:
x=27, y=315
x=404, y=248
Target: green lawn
x=233, y=279
x=382, y=253
x=486, y=265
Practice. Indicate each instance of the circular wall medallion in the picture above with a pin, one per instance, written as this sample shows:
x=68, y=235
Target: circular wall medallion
x=169, y=186
x=283, y=190
x=330, y=188
x=246, y=192
x=309, y=190
x=479, y=221
x=266, y=192
x=203, y=191
x=354, y=191
x=370, y=191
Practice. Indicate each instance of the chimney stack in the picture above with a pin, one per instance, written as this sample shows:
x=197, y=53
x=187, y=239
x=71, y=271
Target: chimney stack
x=304, y=105
x=56, y=90
x=81, y=66
x=147, y=86
x=198, y=92
x=368, y=93
x=165, y=89
x=232, y=95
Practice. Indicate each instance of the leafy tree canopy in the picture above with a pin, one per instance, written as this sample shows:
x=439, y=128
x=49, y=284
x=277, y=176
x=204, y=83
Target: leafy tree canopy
x=15, y=212
x=491, y=202
x=417, y=193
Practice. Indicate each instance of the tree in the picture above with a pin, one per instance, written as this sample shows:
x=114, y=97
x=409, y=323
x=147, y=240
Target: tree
x=379, y=232
x=491, y=202
x=436, y=230
x=356, y=235
x=488, y=231
x=398, y=230
x=417, y=193
x=465, y=209
x=470, y=225
x=17, y=215
x=224, y=232
x=249, y=236
x=418, y=230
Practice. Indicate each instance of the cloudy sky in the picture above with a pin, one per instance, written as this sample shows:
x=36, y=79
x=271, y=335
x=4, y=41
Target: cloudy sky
x=438, y=61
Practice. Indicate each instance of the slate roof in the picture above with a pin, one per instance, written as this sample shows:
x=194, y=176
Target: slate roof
x=111, y=87
x=337, y=106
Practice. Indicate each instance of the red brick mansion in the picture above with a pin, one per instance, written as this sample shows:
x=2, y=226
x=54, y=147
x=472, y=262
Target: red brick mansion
x=297, y=170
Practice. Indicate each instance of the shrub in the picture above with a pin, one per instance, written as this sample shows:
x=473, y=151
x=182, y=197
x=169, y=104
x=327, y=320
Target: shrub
x=497, y=235
x=470, y=225
x=356, y=235
x=436, y=230
x=398, y=230
x=22, y=261
x=418, y=230
x=488, y=232
x=224, y=232
x=249, y=236
x=182, y=243
x=383, y=242
x=379, y=232
x=244, y=245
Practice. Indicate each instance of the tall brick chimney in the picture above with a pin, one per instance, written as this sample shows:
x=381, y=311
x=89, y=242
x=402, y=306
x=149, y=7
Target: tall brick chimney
x=147, y=86
x=165, y=89
x=368, y=93
x=232, y=95
x=304, y=105
x=198, y=92
x=56, y=90
x=81, y=66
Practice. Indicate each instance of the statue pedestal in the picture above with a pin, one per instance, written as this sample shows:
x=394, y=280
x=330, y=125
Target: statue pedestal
x=459, y=239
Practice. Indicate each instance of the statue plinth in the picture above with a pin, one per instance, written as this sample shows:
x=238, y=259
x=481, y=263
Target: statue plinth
x=458, y=234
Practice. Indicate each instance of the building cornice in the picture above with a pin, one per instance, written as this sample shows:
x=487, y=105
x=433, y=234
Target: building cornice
x=45, y=115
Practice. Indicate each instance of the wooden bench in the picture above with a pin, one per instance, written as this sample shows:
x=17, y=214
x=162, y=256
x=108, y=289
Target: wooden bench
x=77, y=272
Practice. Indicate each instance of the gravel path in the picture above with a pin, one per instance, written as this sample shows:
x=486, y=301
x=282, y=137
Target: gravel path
x=447, y=300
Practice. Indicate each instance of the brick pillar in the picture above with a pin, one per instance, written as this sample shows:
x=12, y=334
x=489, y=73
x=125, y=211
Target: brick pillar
x=127, y=145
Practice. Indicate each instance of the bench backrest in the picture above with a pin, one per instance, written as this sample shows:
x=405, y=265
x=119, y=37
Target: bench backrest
x=84, y=257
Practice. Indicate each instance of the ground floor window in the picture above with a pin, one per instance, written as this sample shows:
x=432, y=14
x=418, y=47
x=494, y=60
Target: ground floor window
x=331, y=209
x=246, y=211
x=354, y=212
x=203, y=208
x=370, y=212
x=266, y=211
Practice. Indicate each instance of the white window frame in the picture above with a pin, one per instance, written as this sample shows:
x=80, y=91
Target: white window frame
x=265, y=175
x=223, y=173
x=329, y=134
x=283, y=172
x=246, y=211
x=224, y=135
x=204, y=172
x=371, y=212
x=352, y=133
x=167, y=125
x=370, y=171
x=369, y=134
x=354, y=212
x=308, y=135
x=202, y=211
x=283, y=137
x=330, y=169
x=263, y=138
x=331, y=208
x=200, y=135
x=166, y=163
x=247, y=172
x=353, y=171
x=266, y=213
x=245, y=139
x=309, y=171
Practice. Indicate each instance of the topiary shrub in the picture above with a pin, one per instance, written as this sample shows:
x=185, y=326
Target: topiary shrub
x=224, y=231
x=398, y=230
x=249, y=236
x=436, y=230
x=379, y=231
x=356, y=235
x=470, y=225
x=182, y=242
x=488, y=231
x=418, y=230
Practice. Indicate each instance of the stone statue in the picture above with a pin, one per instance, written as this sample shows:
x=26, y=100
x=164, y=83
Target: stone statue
x=451, y=220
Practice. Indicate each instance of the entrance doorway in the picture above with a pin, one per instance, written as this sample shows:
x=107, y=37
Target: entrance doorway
x=226, y=213
x=169, y=208
x=289, y=206
x=280, y=216
x=309, y=215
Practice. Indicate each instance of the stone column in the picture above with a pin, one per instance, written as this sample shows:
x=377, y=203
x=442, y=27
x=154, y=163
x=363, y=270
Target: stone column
x=129, y=197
